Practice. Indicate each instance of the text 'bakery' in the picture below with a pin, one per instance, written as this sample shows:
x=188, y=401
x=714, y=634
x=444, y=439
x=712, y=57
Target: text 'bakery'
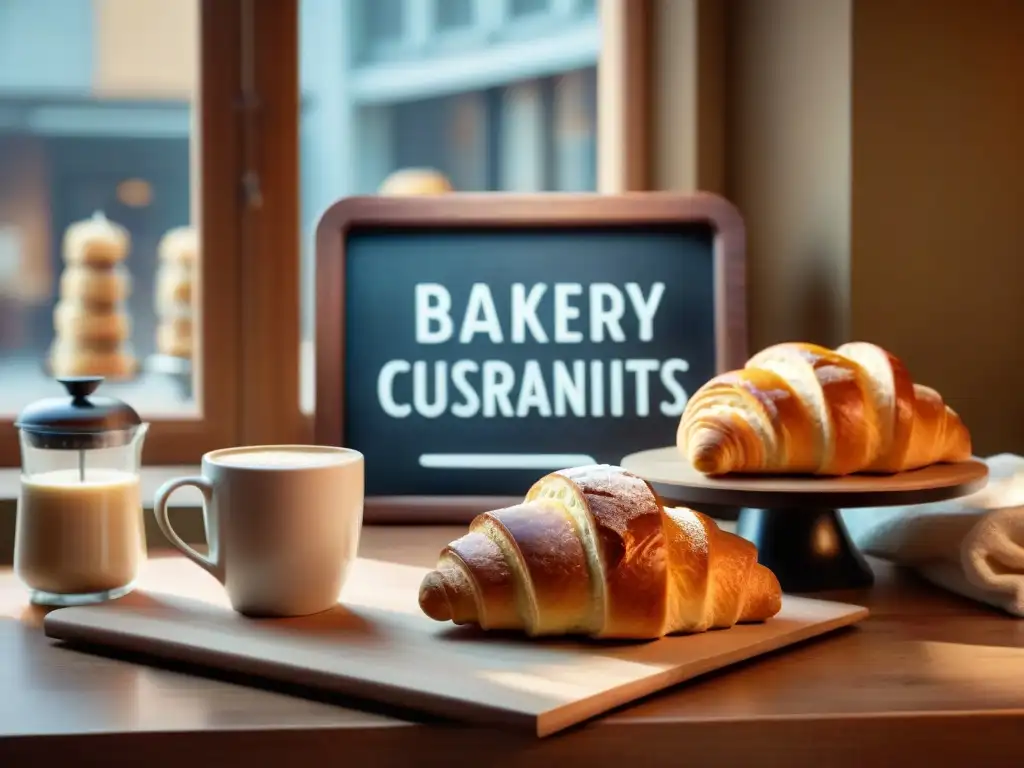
x=491, y=388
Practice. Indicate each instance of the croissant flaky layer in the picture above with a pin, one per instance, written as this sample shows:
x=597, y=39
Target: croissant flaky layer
x=803, y=409
x=591, y=551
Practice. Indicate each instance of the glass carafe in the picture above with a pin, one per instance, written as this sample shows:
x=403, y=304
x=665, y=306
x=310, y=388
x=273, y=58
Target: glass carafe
x=80, y=535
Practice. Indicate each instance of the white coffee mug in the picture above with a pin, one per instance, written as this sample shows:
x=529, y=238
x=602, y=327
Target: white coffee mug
x=282, y=524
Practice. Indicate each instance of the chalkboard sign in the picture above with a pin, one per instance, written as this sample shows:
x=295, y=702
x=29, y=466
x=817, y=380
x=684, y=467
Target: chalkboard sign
x=469, y=344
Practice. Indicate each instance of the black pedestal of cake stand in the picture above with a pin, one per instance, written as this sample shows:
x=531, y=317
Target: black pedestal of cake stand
x=793, y=521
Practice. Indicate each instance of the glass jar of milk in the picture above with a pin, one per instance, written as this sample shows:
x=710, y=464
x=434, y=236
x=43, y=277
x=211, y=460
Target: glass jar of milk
x=79, y=536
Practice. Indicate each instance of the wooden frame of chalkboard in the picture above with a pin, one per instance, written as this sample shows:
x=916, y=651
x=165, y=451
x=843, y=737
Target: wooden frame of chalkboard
x=486, y=211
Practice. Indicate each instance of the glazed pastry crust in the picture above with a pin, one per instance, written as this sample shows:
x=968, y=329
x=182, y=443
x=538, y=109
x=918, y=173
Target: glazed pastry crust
x=799, y=408
x=592, y=551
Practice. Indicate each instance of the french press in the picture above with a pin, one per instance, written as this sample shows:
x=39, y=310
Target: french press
x=79, y=534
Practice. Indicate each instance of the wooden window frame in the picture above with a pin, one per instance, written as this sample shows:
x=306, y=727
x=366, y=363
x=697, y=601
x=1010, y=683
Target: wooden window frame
x=662, y=95
x=270, y=274
x=623, y=91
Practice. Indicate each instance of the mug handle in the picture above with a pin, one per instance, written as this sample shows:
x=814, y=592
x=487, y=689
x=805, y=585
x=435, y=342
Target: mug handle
x=163, y=495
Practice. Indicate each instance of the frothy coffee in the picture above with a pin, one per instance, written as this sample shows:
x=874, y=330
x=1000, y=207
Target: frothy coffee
x=288, y=520
x=79, y=538
x=282, y=458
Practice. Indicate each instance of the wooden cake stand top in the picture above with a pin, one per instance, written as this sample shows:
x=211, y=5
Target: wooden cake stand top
x=675, y=480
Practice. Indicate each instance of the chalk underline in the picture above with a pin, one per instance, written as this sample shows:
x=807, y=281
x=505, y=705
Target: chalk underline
x=504, y=460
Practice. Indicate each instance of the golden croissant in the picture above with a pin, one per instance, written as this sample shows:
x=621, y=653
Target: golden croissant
x=803, y=409
x=591, y=551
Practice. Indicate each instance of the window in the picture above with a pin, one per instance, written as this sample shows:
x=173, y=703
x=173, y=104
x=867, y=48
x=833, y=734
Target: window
x=164, y=114
x=97, y=106
x=493, y=99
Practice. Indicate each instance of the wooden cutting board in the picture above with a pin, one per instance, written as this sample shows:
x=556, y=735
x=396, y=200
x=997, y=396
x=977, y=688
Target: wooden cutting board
x=379, y=647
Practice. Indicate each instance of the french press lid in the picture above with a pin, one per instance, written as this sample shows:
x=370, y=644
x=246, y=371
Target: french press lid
x=80, y=422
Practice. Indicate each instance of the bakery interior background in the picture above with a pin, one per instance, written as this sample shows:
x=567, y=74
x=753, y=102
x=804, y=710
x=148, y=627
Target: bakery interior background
x=872, y=147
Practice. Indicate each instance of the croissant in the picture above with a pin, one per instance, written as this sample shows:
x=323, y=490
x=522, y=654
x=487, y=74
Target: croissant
x=591, y=551
x=802, y=409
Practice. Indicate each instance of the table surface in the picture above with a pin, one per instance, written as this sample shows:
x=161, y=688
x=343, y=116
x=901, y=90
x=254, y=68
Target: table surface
x=928, y=676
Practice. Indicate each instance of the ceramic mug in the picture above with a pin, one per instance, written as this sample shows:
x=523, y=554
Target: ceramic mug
x=282, y=524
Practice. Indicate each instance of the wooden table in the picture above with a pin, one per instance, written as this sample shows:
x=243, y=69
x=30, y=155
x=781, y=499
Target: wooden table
x=929, y=679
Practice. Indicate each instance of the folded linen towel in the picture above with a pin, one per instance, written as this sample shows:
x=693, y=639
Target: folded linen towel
x=973, y=545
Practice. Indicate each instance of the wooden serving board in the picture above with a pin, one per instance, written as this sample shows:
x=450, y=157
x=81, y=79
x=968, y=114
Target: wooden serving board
x=380, y=647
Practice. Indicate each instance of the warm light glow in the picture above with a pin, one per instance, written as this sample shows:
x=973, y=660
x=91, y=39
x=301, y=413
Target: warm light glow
x=178, y=577
x=370, y=584
x=571, y=678
x=824, y=537
x=135, y=193
x=995, y=668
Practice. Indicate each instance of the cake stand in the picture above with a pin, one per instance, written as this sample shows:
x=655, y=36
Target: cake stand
x=793, y=520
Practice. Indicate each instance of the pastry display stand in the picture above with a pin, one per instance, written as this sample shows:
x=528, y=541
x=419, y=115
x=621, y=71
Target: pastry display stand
x=793, y=520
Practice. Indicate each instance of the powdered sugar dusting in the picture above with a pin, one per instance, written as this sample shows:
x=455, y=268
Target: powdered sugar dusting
x=629, y=496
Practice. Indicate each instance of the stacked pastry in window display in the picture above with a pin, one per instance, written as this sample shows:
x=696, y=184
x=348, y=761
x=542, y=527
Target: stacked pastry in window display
x=415, y=181
x=92, y=326
x=175, y=276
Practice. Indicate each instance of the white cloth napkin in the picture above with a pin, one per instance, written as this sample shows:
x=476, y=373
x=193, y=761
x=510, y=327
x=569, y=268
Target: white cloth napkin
x=973, y=546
